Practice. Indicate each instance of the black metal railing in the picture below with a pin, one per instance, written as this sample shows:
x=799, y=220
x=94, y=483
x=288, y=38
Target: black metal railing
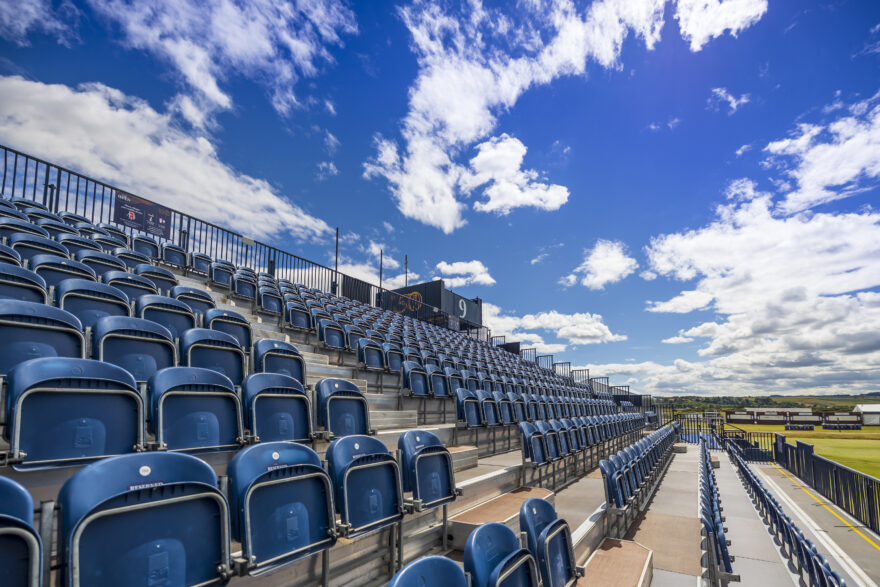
x=64, y=190
x=580, y=375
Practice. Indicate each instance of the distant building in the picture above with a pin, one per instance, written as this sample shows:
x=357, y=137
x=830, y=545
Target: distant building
x=870, y=414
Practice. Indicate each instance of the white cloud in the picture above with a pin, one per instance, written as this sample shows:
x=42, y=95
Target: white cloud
x=673, y=122
x=720, y=96
x=330, y=107
x=539, y=258
x=578, y=328
x=607, y=262
x=122, y=140
x=369, y=272
x=326, y=169
x=830, y=161
x=20, y=18
x=677, y=340
x=462, y=273
x=331, y=143
x=475, y=66
x=207, y=41
x=380, y=250
x=702, y=20
x=499, y=163
x=387, y=226
x=743, y=150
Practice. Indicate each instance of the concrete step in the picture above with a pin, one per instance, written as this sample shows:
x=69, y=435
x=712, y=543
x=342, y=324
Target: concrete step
x=313, y=358
x=392, y=419
x=620, y=563
x=463, y=457
x=504, y=508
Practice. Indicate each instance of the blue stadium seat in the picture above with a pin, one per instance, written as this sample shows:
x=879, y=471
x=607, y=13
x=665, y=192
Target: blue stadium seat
x=25, y=203
x=54, y=269
x=269, y=301
x=277, y=356
x=430, y=571
x=200, y=301
x=415, y=379
x=72, y=219
x=173, y=314
x=352, y=335
x=393, y=357
x=134, y=286
x=99, y=261
x=35, y=213
x=114, y=231
x=438, y=384
x=9, y=256
x=21, y=550
x=282, y=504
x=18, y=283
x=75, y=243
x=489, y=408
x=146, y=245
x=131, y=258
x=244, y=285
x=65, y=410
x=296, y=315
x=173, y=255
x=342, y=408
x=29, y=330
x=88, y=230
x=331, y=334
x=30, y=245
x=366, y=480
x=534, y=444
x=164, y=279
x=454, y=378
x=426, y=469
x=139, y=346
x=11, y=212
x=89, y=301
x=231, y=323
x=108, y=243
x=549, y=541
x=493, y=557
x=12, y=226
x=370, y=355
x=200, y=263
x=220, y=274
x=468, y=408
x=154, y=518
x=277, y=407
x=194, y=409
x=211, y=349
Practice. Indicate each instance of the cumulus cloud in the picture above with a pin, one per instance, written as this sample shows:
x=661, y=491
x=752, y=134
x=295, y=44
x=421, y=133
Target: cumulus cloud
x=498, y=163
x=122, y=140
x=475, y=63
x=721, y=97
x=607, y=262
x=577, y=328
x=21, y=18
x=462, y=273
x=275, y=43
x=677, y=340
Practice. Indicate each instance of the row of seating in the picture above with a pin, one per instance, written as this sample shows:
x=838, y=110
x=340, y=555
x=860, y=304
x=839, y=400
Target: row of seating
x=161, y=519
x=67, y=411
x=718, y=556
x=544, y=442
x=811, y=565
x=481, y=409
x=493, y=555
x=808, y=427
x=627, y=473
x=840, y=426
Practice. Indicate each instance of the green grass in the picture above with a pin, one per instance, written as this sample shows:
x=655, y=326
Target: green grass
x=857, y=449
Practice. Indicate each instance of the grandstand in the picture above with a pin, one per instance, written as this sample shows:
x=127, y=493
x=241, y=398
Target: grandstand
x=171, y=417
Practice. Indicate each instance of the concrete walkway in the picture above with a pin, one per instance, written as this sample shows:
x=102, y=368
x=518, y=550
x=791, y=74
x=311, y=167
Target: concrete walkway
x=850, y=548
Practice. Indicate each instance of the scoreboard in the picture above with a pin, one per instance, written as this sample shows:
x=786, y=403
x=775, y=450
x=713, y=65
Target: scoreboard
x=412, y=299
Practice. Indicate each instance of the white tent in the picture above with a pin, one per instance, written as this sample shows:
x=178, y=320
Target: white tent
x=870, y=414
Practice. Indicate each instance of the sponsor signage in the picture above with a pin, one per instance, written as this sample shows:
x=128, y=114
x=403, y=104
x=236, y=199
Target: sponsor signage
x=142, y=215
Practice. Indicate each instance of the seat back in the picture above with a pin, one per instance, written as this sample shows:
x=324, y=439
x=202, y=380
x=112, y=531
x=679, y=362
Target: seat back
x=198, y=300
x=90, y=301
x=131, y=285
x=21, y=549
x=139, y=346
x=231, y=323
x=112, y=532
x=173, y=314
x=426, y=468
x=100, y=262
x=277, y=407
x=278, y=356
x=211, y=349
x=68, y=410
x=430, y=571
x=342, y=408
x=30, y=330
x=18, y=283
x=55, y=269
x=415, y=379
x=282, y=503
x=549, y=541
x=165, y=280
x=492, y=557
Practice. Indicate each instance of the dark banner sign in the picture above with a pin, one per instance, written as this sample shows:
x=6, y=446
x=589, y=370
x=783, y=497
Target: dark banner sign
x=142, y=215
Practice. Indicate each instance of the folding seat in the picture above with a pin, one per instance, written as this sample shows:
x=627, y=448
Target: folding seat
x=555, y=449
x=282, y=504
x=438, y=384
x=493, y=557
x=534, y=444
x=505, y=408
x=415, y=379
x=200, y=263
x=131, y=258
x=164, y=279
x=72, y=219
x=173, y=314
x=29, y=330
x=615, y=483
x=430, y=571
x=88, y=230
x=199, y=301
x=220, y=274
x=54, y=269
x=144, y=519
x=114, y=231
x=429, y=358
x=231, y=323
x=108, y=243
x=146, y=246
x=549, y=541
x=10, y=256
x=453, y=376
x=74, y=244
x=63, y=410
x=21, y=550
x=244, y=285
x=30, y=245
x=130, y=284
x=277, y=407
x=11, y=212
x=331, y=334
x=23, y=204
x=470, y=380
x=171, y=254
x=277, y=356
x=370, y=355
x=139, y=346
x=12, y=226
x=352, y=335
x=296, y=315
x=366, y=480
x=269, y=301
x=18, y=283
x=489, y=408
x=89, y=301
x=394, y=357
x=342, y=408
x=468, y=408
x=100, y=262
x=426, y=469
x=562, y=437
x=446, y=362
x=214, y=350
x=412, y=354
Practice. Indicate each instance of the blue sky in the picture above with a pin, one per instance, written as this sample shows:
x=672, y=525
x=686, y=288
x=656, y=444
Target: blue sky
x=680, y=195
